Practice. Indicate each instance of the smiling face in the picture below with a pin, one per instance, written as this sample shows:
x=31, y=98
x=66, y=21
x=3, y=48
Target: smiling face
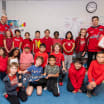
x=77, y=65
x=15, y=53
x=3, y=19
x=95, y=21
x=100, y=58
x=37, y=35
x=83, y=33
x=27, y=36
x=8, y=33
x=47, y=33
x=13, y=70
x=52, y=61
x=38, y=62
x=57, y=48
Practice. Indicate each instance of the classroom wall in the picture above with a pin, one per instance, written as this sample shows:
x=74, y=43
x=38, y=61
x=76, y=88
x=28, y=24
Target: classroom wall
x=0, y=8
x=61, y=15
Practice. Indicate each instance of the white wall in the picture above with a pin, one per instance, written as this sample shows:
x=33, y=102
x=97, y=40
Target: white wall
x=56, y=15
x=0, y=8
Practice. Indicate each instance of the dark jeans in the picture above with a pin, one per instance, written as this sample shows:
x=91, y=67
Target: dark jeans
x=2, y=75
x=90, y=57
x=52, y=86
x=13, y=99
x=71, y=88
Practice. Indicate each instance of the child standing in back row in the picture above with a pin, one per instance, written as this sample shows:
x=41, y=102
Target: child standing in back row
x=36, y=42
x=81, y=44
x=68, y=47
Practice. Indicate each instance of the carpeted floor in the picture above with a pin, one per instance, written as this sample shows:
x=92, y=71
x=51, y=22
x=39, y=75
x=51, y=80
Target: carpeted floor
x=65, y=97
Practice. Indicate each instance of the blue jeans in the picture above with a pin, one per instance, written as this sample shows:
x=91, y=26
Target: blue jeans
x=2, y=75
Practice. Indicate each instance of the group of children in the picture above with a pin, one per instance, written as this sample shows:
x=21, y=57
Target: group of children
x=51, y=58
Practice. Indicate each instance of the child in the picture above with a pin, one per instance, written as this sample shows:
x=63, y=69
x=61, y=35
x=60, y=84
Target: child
x=52, y=72
x=81, y=44
x=96, y=74
x=68, y=47
x=56, y=38
x=26, y=58
x=35, y=70
x=76, y=76
x=43, y=54
x=94, y=33
x=27, y=40
x=13, y=88
x=14, y=56
x=36, y=42
x=8, y=42
x=59, y=59
x=17, y=40
x=47, y=41
x=3, y=63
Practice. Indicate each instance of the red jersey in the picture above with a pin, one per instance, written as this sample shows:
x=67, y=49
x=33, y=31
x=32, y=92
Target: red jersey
x=13, y=80
x=93, y=37
x=45, y=58
x=82, y=44
x=27, y=41
x=54, y=41
x=48, y=43
x=76, y=76
x=3, y=29
x=68, y=45
x=17, y=41
x=36, y=43
x=59, y=58
x=3, y=64
x=96, y=72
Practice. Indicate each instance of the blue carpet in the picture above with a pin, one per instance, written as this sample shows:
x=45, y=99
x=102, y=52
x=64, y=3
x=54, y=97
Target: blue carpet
x=65, y=97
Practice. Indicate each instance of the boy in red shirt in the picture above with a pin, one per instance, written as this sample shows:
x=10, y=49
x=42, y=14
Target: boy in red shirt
x=36, y=42
x=94, y=33
x=95, y=74
x=17, y=40
x=59, y=62
x=47, y=40
x=76, y=77
x=43, y=54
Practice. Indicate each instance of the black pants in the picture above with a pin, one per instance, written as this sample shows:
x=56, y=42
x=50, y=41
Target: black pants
x=90, y=57
x=71, y=88
x=2, y=75
x=52, y=86
x=13, y=99
x=61, y=75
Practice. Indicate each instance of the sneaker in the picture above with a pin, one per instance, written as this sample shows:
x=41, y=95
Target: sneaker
x=45, y=88
x=5, y=95
x=89, y=93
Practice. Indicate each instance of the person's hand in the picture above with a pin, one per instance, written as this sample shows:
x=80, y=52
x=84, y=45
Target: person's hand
x=89, y=87
x=83, y=54
x=64, y=69
x=74, y=92
x=19, y=84
x=93, y=84
x=80, y=90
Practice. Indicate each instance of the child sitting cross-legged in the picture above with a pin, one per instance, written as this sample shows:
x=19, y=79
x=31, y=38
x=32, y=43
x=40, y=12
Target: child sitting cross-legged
x=76, y=77
x=52, y=72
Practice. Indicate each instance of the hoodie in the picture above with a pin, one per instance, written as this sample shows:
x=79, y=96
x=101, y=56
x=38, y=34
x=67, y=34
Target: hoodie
x=76, y=76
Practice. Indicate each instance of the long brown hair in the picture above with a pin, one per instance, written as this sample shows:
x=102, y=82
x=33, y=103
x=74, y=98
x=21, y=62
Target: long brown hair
x=81, y=30
x=4, y=55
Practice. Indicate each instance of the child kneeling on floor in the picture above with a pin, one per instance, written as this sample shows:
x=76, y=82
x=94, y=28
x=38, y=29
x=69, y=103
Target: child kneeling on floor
x=14, y=89
x=52, y=72
x=76, y=77
x=35, y=70
x=95, y=74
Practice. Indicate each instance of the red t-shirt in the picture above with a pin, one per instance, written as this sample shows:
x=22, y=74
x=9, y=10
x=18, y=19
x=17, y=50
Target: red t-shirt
x=13, y=80
x=96, y=72
x=17, y=41
x=36, y=43
x=45, y=58
x=93, y=37
x=68, y=45
x=48, y=43
x=54, y=41
x=82, y=44
x=27, y=41
x=59, y=58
